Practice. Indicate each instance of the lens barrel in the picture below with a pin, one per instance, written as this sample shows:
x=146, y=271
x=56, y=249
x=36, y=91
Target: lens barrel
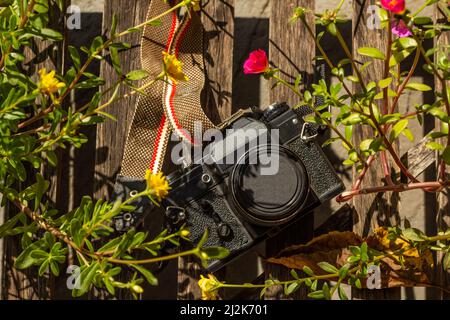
x=269, y=199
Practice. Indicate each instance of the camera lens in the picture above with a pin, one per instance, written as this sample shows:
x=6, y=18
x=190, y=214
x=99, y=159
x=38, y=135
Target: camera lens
x=269, y=197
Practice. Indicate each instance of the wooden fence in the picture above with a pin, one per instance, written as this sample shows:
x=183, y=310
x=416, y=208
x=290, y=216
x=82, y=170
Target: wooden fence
x=92, y=169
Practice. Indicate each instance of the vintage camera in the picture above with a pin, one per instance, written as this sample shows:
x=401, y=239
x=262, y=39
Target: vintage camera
x=266, y=172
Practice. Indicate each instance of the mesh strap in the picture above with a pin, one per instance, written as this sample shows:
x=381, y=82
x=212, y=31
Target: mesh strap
x=166, y=107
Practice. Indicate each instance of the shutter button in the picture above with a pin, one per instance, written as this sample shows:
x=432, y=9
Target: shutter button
x=224, y=231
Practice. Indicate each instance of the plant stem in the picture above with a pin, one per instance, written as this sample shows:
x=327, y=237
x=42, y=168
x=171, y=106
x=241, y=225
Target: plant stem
x=405, y=82
x=434, y=186
x=361, y=176
x=154, y=260
x=386, y=65
x=350, y=57
x=387, y=174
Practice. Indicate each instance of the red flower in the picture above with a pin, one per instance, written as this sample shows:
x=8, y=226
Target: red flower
x=256, y=63
x=395, y=6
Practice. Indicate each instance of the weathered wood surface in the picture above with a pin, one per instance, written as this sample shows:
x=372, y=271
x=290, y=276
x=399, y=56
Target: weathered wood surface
x=111, y=135
x=419, y=158
x=373, y=210
x=285, y=54
x=443, y=203
x=218, y=41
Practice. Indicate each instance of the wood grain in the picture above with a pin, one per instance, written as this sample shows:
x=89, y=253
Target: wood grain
x=382, y=209
x=291, y=50
x=443, y=203
x=111, y=135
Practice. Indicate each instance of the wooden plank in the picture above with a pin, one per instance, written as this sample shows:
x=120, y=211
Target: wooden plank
x=419, y=158
x=218, y=21
x=291, y=50
x=443, y=203
x=371, y=209
x=111, y=135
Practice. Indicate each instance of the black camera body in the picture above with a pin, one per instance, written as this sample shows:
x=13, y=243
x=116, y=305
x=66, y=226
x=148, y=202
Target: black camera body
x=238, y=201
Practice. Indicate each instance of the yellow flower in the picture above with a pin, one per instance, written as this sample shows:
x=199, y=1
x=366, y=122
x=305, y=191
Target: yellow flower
x=173, y=68
x=49, y=84
x=158, y=184
x=209, y=287
x=185, y=233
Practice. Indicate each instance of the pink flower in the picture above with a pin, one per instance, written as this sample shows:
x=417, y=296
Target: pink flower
x=256, y=63
x=400, y=29
x=395, y=6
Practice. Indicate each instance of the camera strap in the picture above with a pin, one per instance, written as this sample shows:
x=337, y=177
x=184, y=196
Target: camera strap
x=167, y=106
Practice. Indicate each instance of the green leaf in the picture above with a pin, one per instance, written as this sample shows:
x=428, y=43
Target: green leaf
x=25, y=260
x=433, y=145
x=423, y=20
x=75, y=56
x=19, y=169
x=54, y=267
x=408, y=134
x=216, y=252
x=352, y=119
x=151, y=279
x=446, y=155
x=114, y=24
x=86, y=278
x=398, y=129
x=52, y=158
x=343, y=271
x=308, y=271
x=440, y=114
x=292, y=288
x=328, y=267
x=418, y=87
x=43, y=268
x=371, y=52
x=384, y=83
x=41, y=188
x=413, y=235
x=332, y=29
x=407, y=42
x=446, y=261
x=342, y=294
x=51, y=34
x=316, y=294
x=137, y=75
x=364, y=256
x=326, y=291
x=203, y=239
x=114, y=53
x=6, y=227
x=294, y=274
x=96, y=45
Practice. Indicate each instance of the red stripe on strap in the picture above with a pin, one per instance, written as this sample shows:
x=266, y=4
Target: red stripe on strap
x=158, y=139
x=174, y=87
x=163, y=119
